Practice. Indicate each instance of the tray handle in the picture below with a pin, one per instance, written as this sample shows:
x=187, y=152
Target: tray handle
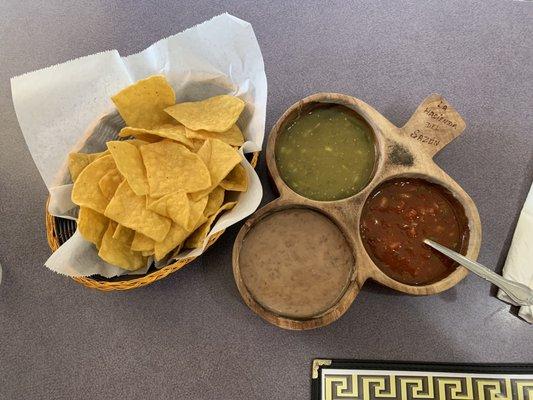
x=434, y=124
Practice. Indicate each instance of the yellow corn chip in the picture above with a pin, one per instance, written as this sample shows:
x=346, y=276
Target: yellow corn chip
x=130, y=164
x=138, y=142
x=175, y=237
x=236, y=180
x=108, y=184
x=115, y=252
x=147, y=253
x=86, y=191
x=92, y=225
x=178, y=234
x=177, y=250
x=196, y=213
x=198, y=236
x=145, y=137
x=78, y=161
x=170, y=166
x=214, y=201
x=156, y=205
x=167, y=131
x=197, y=145
x=174, y=206
x=220, y=159
x=142, y=243
x=124, y=235
x=141, y=105
x=178, y=208
x=233, y=136
x=130, y=210
x=216, y=114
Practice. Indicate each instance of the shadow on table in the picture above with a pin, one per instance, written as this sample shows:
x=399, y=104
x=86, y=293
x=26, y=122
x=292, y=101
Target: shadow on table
x=371, y=286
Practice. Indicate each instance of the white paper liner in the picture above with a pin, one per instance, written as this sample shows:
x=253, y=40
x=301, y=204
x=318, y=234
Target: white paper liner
x=518, y=265
x=56, y=105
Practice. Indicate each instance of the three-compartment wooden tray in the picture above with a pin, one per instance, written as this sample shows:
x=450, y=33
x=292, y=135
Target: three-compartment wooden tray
x=400, y=152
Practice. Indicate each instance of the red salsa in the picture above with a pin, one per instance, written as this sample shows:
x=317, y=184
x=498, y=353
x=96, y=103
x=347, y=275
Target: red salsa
x=399, y=215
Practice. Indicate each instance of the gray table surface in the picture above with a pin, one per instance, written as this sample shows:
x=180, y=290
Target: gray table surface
x=190, y=335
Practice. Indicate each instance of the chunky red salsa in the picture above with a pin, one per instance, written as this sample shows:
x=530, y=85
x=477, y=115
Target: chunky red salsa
x=399, y=215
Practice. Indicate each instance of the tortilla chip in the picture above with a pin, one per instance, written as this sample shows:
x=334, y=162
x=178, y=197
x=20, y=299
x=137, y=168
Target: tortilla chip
x=198, y=236
x=220, y=159
x=142, y=104
x=177, y=234
x=142, y=243
x=197, y=145
x=130, y=210
x=108, y=184
x=233, y=136
x=130, y=164
x=138, y=142
x=147, y=253
x=214, y=201
x=167, y=131
x=216, y=114
x=116, y=253
x=170, y=166
x=123, y=235
x=86, y=191
x=174, y=206
x=236, y=180
x=78, y=161
x=175, y=237
x=92, y=225
x=196, y=213
x=145, y=137
x=174, y=253
x=154, y=204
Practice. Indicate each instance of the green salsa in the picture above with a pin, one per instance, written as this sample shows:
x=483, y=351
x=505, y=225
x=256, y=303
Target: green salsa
x=327, y=153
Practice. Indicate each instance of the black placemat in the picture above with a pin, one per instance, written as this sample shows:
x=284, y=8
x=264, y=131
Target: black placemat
x=391, y=380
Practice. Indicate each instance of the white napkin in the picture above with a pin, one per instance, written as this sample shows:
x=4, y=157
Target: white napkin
x=519, y=263
x=56, y=105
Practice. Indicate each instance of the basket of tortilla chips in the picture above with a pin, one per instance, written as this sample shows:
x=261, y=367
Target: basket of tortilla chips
x=164, y=174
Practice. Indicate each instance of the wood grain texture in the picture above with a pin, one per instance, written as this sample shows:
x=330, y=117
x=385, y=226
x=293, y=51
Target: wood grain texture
x=400, y=152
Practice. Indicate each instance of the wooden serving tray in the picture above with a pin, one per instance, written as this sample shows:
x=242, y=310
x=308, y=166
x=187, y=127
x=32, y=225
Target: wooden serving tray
x=400, y=152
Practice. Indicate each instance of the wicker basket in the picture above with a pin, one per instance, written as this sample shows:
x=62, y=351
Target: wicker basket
x=59, y=230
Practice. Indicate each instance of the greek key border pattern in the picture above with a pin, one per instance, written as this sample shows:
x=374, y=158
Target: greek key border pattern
x=425, y=386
